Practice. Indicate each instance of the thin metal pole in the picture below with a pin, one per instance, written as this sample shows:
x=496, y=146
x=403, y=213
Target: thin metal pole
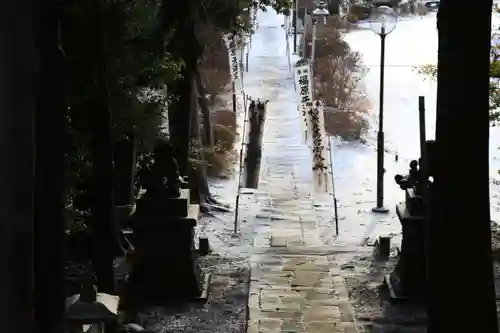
x=304, y=53
x=234, y=96
x=243, y=143
x=244, y=101
x=288, y=52
x=246, y=55
x=313, y=46
x=333, y=187
x=295, y=25
x=380, y=135
x=242, y=52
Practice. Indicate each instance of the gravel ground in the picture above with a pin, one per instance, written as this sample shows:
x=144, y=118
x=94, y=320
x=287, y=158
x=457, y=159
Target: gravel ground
x=374, y=312
x=225, y=310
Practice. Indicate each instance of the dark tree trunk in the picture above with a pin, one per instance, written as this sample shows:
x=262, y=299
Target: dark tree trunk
x=179, y=115
x=208, y=137
x=17, y=111
x=179, y=121
x=201, y=182
x=50, y=125
x=462, y=294
x=124, y=166
x=104, y=229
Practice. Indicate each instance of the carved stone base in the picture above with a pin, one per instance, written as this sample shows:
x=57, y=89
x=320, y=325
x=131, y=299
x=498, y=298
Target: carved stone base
x=408, y=280
x=164, y=267
x=414, y=202
x=170, y=207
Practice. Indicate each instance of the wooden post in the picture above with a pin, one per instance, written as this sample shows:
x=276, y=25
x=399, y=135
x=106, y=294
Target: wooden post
x=254, y=146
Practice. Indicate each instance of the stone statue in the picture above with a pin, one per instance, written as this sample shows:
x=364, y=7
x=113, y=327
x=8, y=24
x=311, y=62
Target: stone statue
x=414, y=178
x=163, y=179
x=410, y=180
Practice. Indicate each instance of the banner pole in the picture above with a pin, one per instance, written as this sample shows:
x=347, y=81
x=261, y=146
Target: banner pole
x=243, y=143
x=330, y=152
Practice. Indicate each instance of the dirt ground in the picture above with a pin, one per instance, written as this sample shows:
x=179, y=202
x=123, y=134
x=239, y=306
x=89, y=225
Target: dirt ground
x=374, y=312
x=224, y=312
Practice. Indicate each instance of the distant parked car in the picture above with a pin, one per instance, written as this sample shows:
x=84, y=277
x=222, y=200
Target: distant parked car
x=432, y=5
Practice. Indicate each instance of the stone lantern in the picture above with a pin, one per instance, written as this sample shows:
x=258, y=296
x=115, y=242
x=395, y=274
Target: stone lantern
x=85, y=313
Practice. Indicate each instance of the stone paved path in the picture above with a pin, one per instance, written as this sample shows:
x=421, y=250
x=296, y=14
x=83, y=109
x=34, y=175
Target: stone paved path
x=296, y=285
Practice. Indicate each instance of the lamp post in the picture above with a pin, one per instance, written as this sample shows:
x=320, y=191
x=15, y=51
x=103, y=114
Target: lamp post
x=383, y=21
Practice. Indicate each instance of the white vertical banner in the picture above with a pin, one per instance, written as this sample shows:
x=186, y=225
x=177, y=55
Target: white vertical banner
x=234, y=66
x=303, y=86
x=319, y=148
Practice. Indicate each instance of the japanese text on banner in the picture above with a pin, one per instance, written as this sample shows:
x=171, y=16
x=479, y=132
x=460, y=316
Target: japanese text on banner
x=234, y=67
x=320, y=153
x=303, y=86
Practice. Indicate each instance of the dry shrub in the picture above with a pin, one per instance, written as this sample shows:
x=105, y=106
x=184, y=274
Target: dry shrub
x=412, y=7
x=337, y=83
x=220, y=158
x=358, y=12
x=309, y=4
x=224, y=138
x=338, y=73
x=422, y=9
x=226, y=118
x=346, y=125
x=329, y=40
x=406, y=9
x=339, y=23
x=218, y=163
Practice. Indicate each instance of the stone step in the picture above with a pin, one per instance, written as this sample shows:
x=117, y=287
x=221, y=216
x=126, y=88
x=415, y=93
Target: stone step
x=169, y=222
x=319, y=250
x=165, y=206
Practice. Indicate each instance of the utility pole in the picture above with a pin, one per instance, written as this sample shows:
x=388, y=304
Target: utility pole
x=295, y=25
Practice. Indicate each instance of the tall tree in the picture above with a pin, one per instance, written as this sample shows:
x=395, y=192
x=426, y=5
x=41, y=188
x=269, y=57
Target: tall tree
x=104, y=228
x=18, y=61
x=462, y=295
x=179, y=114
x=50, y=124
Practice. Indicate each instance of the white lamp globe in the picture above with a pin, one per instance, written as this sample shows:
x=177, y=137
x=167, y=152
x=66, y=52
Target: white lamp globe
x=383, y=20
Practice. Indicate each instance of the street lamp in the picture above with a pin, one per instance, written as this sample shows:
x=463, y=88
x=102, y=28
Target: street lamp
x=320, y=12
x=383, y=21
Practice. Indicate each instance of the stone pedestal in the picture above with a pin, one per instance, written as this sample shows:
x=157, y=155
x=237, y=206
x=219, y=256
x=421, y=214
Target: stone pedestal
x=414, y=203
x=164, y=207
x=408, y=280
x=164, y=265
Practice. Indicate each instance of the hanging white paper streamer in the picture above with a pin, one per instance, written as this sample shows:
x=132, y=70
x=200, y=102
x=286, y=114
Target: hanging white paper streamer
x=303, y=85
x=319, y=148
x=234, y=66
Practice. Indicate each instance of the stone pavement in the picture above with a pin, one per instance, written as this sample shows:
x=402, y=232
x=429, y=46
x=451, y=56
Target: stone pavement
x=296, y=285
